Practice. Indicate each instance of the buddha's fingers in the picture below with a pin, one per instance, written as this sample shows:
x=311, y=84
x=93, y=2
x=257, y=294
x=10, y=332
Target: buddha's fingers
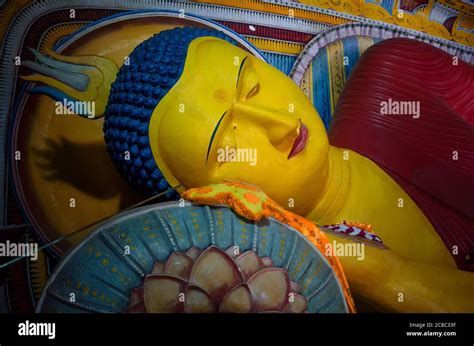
x=396, y=284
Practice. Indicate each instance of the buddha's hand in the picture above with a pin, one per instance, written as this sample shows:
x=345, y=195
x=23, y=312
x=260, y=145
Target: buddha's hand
x=252, y=203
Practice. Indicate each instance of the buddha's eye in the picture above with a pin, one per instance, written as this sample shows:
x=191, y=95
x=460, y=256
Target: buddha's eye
x=249, y=83
x=254, y=91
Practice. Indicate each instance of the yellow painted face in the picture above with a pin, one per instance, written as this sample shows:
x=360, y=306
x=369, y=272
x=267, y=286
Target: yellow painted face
x=231, y=116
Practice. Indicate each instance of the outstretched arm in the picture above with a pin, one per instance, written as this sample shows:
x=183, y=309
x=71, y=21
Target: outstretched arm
x=405, y=285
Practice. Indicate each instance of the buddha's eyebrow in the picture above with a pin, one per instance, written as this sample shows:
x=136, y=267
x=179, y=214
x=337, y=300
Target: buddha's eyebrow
x=214, y=135
x=222, y=117
x=240, y=70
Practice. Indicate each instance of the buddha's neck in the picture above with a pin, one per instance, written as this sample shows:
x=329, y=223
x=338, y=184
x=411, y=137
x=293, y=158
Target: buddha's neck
x=334, y=195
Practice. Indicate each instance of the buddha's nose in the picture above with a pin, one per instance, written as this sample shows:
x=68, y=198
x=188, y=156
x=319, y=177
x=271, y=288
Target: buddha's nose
x=277, y=125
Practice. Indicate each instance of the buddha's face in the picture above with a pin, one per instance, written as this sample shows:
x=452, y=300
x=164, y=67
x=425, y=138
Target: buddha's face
x=231, y=116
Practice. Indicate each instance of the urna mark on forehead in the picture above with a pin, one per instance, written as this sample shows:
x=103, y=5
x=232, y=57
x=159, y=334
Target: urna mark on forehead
x=154, y=68
x=209, y=78
x=190, y=110
x=211, y=68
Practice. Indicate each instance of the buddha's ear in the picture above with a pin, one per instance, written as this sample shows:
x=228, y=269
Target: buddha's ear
x=82, y=82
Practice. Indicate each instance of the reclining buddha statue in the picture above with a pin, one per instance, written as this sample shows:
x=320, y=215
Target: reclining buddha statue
x=187, y=95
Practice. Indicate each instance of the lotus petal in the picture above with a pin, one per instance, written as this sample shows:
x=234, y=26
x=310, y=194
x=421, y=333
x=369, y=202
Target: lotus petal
x=295, y=287
x=237, y=300
x=297, y=305
x=193, y=252
x=136, y=295
x=158, y=268
x=198, y=301
x=179, y=264
x=215, y=272
x=267, y=261
x=138, y=308
x=270, y=288
x=249, y=263
x=161, y=293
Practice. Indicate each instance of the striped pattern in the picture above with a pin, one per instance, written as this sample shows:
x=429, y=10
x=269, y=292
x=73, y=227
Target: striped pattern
x=329, y=70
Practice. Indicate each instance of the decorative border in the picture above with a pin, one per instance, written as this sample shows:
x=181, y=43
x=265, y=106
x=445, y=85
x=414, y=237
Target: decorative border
x=460, y=15
x=359, y=29
x=155, y=13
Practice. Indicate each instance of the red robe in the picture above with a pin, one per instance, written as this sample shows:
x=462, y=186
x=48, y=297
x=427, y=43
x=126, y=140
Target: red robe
x=431, y=157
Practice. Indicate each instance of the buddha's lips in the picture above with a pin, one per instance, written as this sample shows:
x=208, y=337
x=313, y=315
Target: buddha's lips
x=300, y=142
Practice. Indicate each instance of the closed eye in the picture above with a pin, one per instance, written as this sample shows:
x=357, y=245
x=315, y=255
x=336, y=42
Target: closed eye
x=254, y=91
x=213, y=135
x=240, y=69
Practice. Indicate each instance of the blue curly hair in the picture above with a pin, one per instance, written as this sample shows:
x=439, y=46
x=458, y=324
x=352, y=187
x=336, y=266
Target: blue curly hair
x=154, y=68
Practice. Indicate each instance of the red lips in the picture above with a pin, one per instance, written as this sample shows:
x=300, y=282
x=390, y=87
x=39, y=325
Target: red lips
x=300, y=141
